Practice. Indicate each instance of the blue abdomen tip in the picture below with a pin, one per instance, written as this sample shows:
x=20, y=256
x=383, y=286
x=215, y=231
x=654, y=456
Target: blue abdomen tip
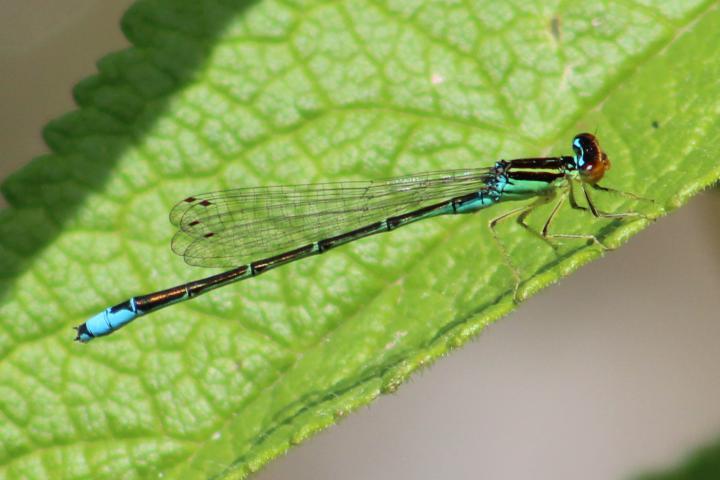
x=107, y=321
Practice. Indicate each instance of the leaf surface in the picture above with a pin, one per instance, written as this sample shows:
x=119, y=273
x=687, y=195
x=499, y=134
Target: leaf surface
x=223, y=94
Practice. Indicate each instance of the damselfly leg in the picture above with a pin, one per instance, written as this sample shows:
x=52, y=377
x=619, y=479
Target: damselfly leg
x=563, y=195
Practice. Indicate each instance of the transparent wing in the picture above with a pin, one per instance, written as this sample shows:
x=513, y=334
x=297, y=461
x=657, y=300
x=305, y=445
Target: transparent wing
x=233, y=227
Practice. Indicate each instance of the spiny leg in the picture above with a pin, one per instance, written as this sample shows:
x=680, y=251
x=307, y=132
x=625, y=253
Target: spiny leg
x=599, y=214
x=524, y=215
x=621, y=193
x=545, y=234
x=546, y=228
x=571, y=196
x=591, y=205
x=627, y=195
x=521, y=212
x=595, y=212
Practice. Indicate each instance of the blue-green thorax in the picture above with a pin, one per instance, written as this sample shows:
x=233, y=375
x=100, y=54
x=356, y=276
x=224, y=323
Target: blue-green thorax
x=529, y=177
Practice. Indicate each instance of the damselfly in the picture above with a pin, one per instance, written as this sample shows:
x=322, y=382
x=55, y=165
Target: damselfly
x=254, y=230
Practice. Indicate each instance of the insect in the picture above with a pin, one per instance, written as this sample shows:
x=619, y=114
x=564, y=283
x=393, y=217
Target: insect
x=254, y=230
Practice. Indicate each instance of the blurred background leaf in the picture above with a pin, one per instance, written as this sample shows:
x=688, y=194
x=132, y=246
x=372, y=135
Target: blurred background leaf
x=704, y=464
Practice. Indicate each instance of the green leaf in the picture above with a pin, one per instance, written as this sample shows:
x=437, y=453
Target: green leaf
x=703, y=464
x=221, y=94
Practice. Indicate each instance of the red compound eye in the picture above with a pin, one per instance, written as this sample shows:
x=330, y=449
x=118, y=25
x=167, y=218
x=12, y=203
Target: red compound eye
x=591, y=161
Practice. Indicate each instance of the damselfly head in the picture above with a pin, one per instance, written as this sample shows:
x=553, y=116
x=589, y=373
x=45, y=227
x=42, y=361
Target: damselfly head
x=590, y=160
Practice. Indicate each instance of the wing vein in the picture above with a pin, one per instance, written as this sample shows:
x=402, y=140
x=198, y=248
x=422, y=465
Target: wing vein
x=232, y=227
